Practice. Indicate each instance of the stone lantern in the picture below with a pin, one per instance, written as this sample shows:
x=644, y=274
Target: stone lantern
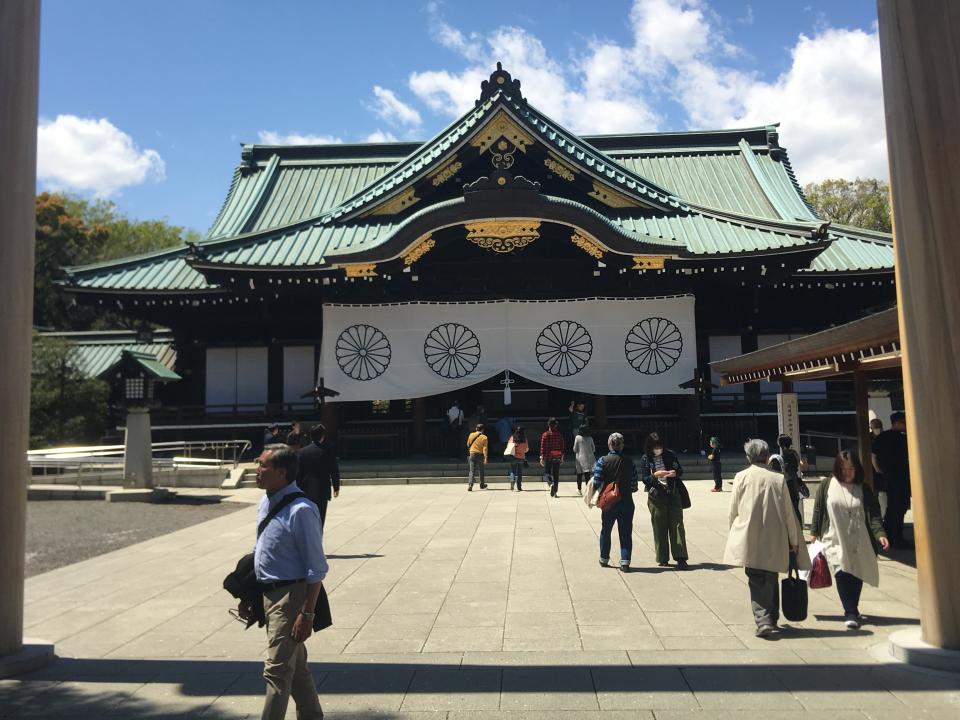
x=133, y=380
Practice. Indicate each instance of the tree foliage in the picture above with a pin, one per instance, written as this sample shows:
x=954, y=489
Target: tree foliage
x=863, y=203
x=66, y=407
x=74, y=231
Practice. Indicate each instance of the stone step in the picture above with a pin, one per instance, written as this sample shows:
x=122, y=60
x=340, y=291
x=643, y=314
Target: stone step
x=497, y=473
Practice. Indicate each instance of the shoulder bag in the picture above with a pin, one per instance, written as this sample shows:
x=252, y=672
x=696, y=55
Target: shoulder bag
x=793, y=593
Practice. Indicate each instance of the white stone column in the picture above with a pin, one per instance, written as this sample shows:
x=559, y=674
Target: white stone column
x=19, y=62
x=137, y=450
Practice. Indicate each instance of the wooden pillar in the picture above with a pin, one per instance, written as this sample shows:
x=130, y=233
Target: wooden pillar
x=920, y=55
x=863, y=424
x=19, y=61
x=600, y=412
x=420, y=425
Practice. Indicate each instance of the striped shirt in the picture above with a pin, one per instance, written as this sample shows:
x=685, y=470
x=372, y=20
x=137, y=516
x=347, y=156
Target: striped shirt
x=598, y=474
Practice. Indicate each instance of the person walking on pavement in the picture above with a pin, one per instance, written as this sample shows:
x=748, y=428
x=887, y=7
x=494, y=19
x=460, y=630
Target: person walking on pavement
x=615, y=467
x=477, y=456
x=713, y=455
x=764, y=531
x=551, y=455
x=661, y=475
x=891, y=459
x=319, y=473
x=879, y=482
x=789, y=464
x=846, y=519
x=454, y=425
x=290, y=565
x=296, y=438
x=584, y=456
x=517, y=457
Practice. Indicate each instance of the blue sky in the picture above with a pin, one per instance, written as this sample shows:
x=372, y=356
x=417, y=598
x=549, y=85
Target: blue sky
x=146, y=103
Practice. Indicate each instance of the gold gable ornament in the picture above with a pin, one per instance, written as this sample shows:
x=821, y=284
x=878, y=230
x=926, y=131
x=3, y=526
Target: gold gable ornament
x=500, y=126
x=558, y=167
x=396, y=204
x=587, y=244
x=612, y=198
x=419, y=250
x=445, y=173
x=649, y=262
x=360, y=270
x=503, y=236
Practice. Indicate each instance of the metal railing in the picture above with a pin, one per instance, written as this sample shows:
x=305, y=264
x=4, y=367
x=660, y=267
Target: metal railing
x=108, y=459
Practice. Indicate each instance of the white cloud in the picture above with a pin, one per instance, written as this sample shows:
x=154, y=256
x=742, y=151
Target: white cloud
x=829, y=101
x=271, y=137
x=380, y=136
x=389, y=107
x=595, y=93
x=86, y=154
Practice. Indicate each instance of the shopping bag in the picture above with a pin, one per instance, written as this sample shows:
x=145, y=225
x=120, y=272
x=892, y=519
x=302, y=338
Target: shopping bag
x=820, y=573
x=793, y=593
x=812, y=549
x=510, y=449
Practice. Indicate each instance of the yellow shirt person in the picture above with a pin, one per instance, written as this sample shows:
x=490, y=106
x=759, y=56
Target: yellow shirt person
x=477, y=443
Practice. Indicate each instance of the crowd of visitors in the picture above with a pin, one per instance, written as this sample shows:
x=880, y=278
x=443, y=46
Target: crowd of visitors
x=766, y=535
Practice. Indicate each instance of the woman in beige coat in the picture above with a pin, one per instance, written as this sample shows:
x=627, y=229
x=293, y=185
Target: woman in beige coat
x=763, y=533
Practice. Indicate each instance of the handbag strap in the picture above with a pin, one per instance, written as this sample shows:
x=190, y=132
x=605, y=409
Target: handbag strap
x=275, y=510
x=794, y=569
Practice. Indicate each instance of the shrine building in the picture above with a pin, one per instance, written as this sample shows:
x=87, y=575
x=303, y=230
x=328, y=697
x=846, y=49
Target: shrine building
x=507, y=262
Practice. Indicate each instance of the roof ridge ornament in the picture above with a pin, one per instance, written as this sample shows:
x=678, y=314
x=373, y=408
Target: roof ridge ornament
x=499, y=80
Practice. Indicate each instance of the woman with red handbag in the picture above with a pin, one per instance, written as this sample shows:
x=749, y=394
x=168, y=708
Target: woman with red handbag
x=614, y=481
x=846, y=519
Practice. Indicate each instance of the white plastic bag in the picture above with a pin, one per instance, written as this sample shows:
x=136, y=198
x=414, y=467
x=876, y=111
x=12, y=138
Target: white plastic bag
x=813, y=549
x=590, y=492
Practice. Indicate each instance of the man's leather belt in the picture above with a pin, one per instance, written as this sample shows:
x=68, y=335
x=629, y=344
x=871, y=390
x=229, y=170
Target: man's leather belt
x=280, y=583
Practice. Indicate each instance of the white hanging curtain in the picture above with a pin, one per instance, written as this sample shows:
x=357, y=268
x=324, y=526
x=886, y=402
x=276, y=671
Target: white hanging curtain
x=603, y=346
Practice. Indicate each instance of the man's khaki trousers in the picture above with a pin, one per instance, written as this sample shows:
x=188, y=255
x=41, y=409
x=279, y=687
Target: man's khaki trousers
x=285, y=667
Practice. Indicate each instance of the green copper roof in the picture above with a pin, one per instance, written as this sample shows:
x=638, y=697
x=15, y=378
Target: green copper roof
x=147, y=362
x=705, y=193
x=694, y=232
x=281, y=192
x=93, y=353
x=163, y=270
x=855, y=250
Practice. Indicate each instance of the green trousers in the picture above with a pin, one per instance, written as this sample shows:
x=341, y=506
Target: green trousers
x=666, y=515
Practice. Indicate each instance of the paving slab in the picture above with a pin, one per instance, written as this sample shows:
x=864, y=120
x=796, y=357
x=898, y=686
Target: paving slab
x=449, y=604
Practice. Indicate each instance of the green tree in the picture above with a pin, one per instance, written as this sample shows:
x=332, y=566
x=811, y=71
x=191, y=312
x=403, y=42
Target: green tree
x=66, y=407
x=74, y=231
x=62, y=239
x=863, y=203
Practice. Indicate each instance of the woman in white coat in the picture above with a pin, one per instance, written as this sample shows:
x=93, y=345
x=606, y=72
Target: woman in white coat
x=763, y=533
x=585, y=456
x=846, y=517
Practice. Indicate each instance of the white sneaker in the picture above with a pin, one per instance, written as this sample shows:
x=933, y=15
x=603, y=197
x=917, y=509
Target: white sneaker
x=852, y=623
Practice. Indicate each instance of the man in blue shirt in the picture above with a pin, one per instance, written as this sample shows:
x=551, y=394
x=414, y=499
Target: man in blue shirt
x=290, y=564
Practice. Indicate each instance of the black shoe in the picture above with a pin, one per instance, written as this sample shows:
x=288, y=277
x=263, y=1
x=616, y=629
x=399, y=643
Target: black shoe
x=682, y=564
x=469, y=488
x=483, y=486
x=624, y=568
x=604, y=563
x=663, y=564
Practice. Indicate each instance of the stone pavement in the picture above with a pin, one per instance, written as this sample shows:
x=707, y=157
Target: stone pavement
x=459, y=605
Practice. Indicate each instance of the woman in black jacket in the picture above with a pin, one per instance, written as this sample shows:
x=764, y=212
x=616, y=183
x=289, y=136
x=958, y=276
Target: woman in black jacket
x=660, y=473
